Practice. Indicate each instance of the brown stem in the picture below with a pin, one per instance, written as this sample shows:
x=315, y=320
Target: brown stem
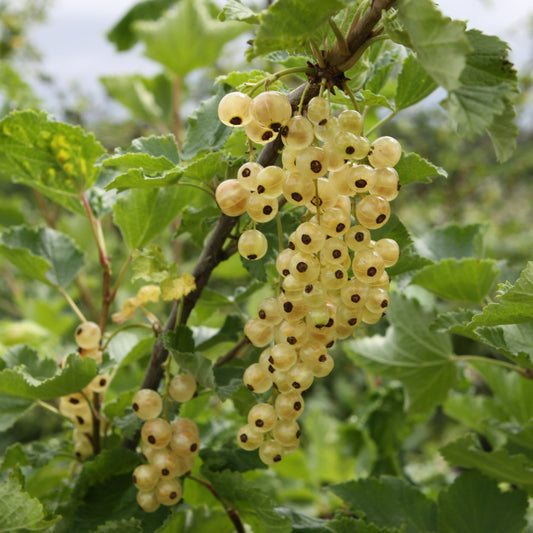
x=234, y=352
x=230, y=511
x=359, y=33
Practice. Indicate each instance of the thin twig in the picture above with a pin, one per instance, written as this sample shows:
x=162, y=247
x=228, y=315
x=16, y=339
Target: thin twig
x=233, y=353
x=230, y=511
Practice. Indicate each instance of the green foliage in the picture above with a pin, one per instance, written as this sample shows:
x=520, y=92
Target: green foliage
x=54, y=158
x=410, y=352
x=19, y=510
x=27, y=376
x=43, y=254
x=445, y=375
x=187, y=37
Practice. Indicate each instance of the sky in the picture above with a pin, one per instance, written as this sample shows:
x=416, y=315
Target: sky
x=75, y=50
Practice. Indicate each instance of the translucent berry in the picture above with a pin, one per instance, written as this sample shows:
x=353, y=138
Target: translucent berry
x=182, y=387
x=145, y=477
x=249, y=438
x=169, y=491
x=156, y=432
x=234, y=109
x=232, y=197
x=271, y=452
x=252, y=244
x=88, y=335
x=262, y=417
x=385, y=152
x=271, y=109
x=147, y=404
x=147, y=501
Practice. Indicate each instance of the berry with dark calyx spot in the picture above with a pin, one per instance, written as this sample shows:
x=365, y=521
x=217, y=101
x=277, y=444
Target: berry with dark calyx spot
x=252, y=244
x=147, y=404
x=234, y=109
x=88, y=335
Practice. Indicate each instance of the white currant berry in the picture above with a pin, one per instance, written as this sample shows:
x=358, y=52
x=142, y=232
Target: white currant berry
x=258, y=332
x=88, y=335
x=234, y=109
x=271, y=452
x=147, y=404
x=286, y=432
x=249, y=438
x=252, y=244
x=318, y=110
x=232, y=197
x=389, y=250
x=385, y=152
x=182, y=387
x=257, y=379
x=373, y=211
x=271, y=109
x=169, y=491
x=156, y=432
x=185, y=443
x=145, y=477
x=147, y=501
x=289, y=405
x=298, y=133
x=262, y=417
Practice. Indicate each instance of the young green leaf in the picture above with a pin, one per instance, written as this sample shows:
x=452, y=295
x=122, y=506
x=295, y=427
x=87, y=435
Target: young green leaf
x=465, y=280
x=153, y=155
x=18, y=510
x=515, y=341
x=414, y=168
x=13, y=407
x=141, y=214
x=500, y=464
x=390, y=502
x=28, y=376
x=452, y=240
x=122, y=35
x=205, y=131
x=488, y=85
x=147, y=98
x=414, y=83
x=440, y=43
x=475, y=504
x=186, y=37
x=287, y=25
x=515, y=303
x=54, y=158
x=236, y=10
x=410, y=352
x=44, y=254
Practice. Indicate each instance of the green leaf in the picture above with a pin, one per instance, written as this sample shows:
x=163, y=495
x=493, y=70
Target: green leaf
x=150, y=264
x=287, y=24
x=414, y=83
x=452, y=240
x=465, y=280
x=123, y=35
x=181, y=346
x=440, y=43
x=410, y=352
x=503, y=132
x=18, y=510
x=147, y=98
x=515, y=341
x=515, y=303
x=126, y=525
x=409, y=259
x=488, y=83
x=16, y=91
x=414, y=168
x=13, y=408
x=186, y=37
x=390, y=502
x=54, y=158
x=152, y=154
x=366, y=97
x=28, y=376
x=513, y=393
x=306, y=524
x=141, y=214
x=44, y=254
x=205, y=131
x=475, y=504
x=107, y=464
x=240, y=79
x=236, y=10
x=500, y=465
x=255, y=506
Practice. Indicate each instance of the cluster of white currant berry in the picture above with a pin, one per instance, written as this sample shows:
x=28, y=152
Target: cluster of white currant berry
x=79, y=406
x=333, y=273
x=169, y=447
